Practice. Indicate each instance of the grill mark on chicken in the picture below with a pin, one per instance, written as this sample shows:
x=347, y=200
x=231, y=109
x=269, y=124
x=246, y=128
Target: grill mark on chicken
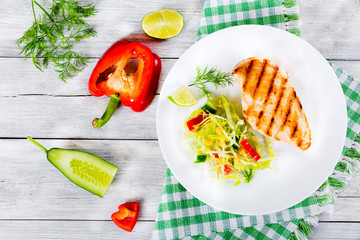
x=277, y=107
x=261, y=76
x=259, y=119
x=296, y=124
x=294, y=131
x=271, y=123
x=247, y=73
x=287, y=113
x=271, y=85
x=260, y=115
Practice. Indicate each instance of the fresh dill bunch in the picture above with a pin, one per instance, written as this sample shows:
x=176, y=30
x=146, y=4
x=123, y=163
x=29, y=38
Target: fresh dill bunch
x=247, y=175
x=213, y=76
x=54, y=33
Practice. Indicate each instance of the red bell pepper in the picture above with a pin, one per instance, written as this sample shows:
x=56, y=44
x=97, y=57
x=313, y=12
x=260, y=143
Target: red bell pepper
x=227, y=169
x=250, y=150
x=111, y=77
x=127, y=216
x=194, y=123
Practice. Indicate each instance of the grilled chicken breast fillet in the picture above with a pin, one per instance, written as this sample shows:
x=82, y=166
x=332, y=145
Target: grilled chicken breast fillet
x=270, y=104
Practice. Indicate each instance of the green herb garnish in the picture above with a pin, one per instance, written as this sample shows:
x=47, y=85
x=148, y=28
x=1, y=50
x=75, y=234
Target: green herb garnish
x=213, y=76
x=53, y=34
x=247, y=175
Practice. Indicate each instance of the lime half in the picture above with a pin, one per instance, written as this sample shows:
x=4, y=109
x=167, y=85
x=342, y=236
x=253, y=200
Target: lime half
x=183, y=97
x=162, y=24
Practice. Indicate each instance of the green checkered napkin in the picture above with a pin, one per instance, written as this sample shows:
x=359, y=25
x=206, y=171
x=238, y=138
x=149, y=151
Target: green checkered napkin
x=182, y=216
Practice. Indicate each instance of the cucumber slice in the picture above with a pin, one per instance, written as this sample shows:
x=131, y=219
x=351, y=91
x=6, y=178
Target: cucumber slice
x=209, y=107
x=84, y=169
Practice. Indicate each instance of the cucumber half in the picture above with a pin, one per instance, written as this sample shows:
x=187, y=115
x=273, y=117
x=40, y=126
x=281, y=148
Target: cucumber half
x=84, y=169
x=209, y=107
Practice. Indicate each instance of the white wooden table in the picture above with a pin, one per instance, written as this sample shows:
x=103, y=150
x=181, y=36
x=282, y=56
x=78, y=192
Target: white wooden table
x=37, y=202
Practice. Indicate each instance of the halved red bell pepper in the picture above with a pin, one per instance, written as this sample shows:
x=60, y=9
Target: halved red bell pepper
x=110, y=77
x=127, y=216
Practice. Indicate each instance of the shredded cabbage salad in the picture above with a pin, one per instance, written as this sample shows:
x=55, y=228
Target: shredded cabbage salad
x=216, y=138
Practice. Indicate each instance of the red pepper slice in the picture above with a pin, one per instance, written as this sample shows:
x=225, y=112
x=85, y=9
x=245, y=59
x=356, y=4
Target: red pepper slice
x=250, y=150
x=194, y=123
x=111, y=77
x=127, y=216
x=227, y=169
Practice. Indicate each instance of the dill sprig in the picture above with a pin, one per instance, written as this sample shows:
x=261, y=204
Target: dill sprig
x=247, y=175
x=53, y=34
x=214, y=76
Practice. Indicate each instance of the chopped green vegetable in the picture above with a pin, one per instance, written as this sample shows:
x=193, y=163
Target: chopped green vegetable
x=213, y=76
x=218, y=139
x=84, y=169
x=53, y=34
x=209, y=107
x=200, y=158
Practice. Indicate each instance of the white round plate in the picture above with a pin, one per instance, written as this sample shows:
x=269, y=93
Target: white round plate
x=299, y=173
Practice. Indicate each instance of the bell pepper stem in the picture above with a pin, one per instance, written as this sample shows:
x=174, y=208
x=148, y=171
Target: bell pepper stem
x=37, y=144
x=110, y=109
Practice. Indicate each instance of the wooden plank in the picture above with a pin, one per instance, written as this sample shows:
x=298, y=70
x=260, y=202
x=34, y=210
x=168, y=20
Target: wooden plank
x=345, y=209
x=336, y=231
x=353, y=187
x=328, y=26
x=115, y=20
x=71, y=117
x=143, y=230
x=31, y=188
x=28, y=80
x=80, y=230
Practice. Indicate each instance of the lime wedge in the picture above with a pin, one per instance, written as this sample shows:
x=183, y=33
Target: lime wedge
x=183, y=97
x=162, y=24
